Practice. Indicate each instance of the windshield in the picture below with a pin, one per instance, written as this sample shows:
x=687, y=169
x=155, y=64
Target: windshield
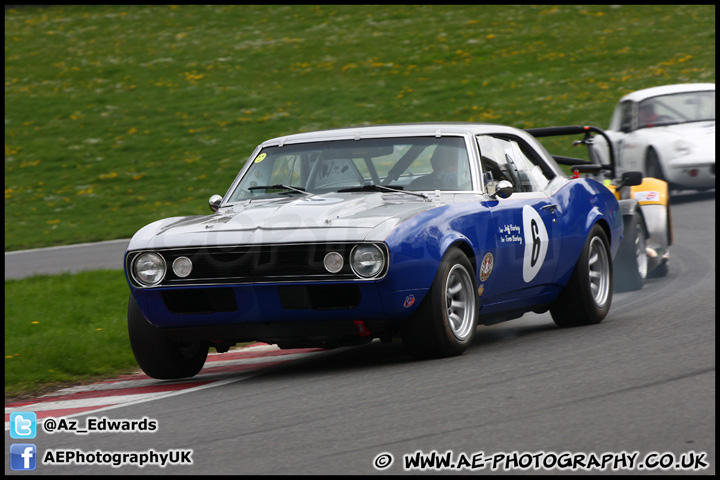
x=408, y=164
x=677, y=108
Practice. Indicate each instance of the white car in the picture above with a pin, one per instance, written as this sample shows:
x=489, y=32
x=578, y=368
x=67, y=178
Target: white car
x=668, y=133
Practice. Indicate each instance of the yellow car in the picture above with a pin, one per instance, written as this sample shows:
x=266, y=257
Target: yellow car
x=644, y=201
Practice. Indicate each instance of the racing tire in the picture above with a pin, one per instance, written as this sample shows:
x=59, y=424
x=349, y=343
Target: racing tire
x=445, y=323
x=158, y=356
x=663, y=269
x=587, y=297
x=631, y=261
x=659, y=271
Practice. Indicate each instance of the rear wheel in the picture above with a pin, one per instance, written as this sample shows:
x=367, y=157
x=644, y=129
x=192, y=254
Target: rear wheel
x=587, y=297
x=158, y=356
x=631, y=262
x=445, y=323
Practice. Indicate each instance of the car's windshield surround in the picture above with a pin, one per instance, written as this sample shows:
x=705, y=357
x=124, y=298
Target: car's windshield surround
x=331, y=165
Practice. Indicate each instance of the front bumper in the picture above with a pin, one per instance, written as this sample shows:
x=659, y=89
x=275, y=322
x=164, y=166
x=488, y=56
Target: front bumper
x=692, y=172
x=273, y=312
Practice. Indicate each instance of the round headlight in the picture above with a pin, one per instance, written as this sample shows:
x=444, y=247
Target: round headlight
x=367, y=260
x=182, y=266
x=149, y=268
x=333, y=262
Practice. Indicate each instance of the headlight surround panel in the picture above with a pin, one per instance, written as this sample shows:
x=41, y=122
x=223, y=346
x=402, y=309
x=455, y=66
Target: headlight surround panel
x=261, y=264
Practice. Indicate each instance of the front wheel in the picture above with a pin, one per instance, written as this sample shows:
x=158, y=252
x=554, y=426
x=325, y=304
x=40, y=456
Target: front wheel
x=158, y=356
x=587, y=297
x=445, y=323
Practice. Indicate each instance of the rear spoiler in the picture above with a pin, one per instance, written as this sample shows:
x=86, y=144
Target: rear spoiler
x=576, y=163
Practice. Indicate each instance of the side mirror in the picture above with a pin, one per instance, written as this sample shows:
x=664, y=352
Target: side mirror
x=503, y=189
x=215, y=202
x=630, y=179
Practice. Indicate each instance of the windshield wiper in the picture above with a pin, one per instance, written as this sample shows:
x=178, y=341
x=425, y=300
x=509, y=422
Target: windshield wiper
x=310, y=196
x=374, y=188
x=280, y=187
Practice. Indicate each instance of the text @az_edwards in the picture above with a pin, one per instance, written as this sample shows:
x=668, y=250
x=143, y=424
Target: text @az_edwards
x=99, y=424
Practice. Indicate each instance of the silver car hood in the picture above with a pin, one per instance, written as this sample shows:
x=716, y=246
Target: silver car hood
x=331, y=217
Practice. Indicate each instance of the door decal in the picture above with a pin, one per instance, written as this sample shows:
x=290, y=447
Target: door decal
x=536, y=243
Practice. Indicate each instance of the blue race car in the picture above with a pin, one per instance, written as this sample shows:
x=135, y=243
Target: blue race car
x=338, y=237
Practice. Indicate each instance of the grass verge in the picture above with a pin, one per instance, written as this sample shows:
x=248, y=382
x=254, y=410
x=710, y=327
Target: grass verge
x=64, y=329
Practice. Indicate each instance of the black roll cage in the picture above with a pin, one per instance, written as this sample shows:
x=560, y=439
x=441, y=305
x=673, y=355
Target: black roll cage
x=576, y=163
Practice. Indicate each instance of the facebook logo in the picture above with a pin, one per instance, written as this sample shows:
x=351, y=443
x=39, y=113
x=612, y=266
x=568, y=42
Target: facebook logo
x=23, y=425
x=23, y=456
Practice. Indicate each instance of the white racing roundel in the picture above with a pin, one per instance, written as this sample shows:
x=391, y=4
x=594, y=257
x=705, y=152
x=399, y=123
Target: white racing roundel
x=536, y=242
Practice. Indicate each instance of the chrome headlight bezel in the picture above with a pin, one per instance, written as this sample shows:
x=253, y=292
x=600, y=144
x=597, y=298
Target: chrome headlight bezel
x=366, y=255
x=142, y=263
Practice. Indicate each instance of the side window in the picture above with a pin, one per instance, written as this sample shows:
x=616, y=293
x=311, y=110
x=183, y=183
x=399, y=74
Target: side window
x=497, y=164
x=506, y=159
x=531, y=175
x=493, y=153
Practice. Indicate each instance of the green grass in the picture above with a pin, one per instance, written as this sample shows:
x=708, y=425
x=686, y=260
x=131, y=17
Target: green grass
x=65, y=328
x=116, y=116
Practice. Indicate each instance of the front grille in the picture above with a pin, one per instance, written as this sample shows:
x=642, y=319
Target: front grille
x=257, y=263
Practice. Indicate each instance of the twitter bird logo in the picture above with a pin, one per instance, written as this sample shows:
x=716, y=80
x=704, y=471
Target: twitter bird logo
x=23, y=425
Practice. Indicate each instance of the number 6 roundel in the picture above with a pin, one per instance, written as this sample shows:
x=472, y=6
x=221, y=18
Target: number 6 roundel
x=536, y=243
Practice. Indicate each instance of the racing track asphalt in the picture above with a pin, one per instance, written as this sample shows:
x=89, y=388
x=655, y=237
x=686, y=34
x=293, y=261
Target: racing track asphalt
x=642, y=381
x=68, y=258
